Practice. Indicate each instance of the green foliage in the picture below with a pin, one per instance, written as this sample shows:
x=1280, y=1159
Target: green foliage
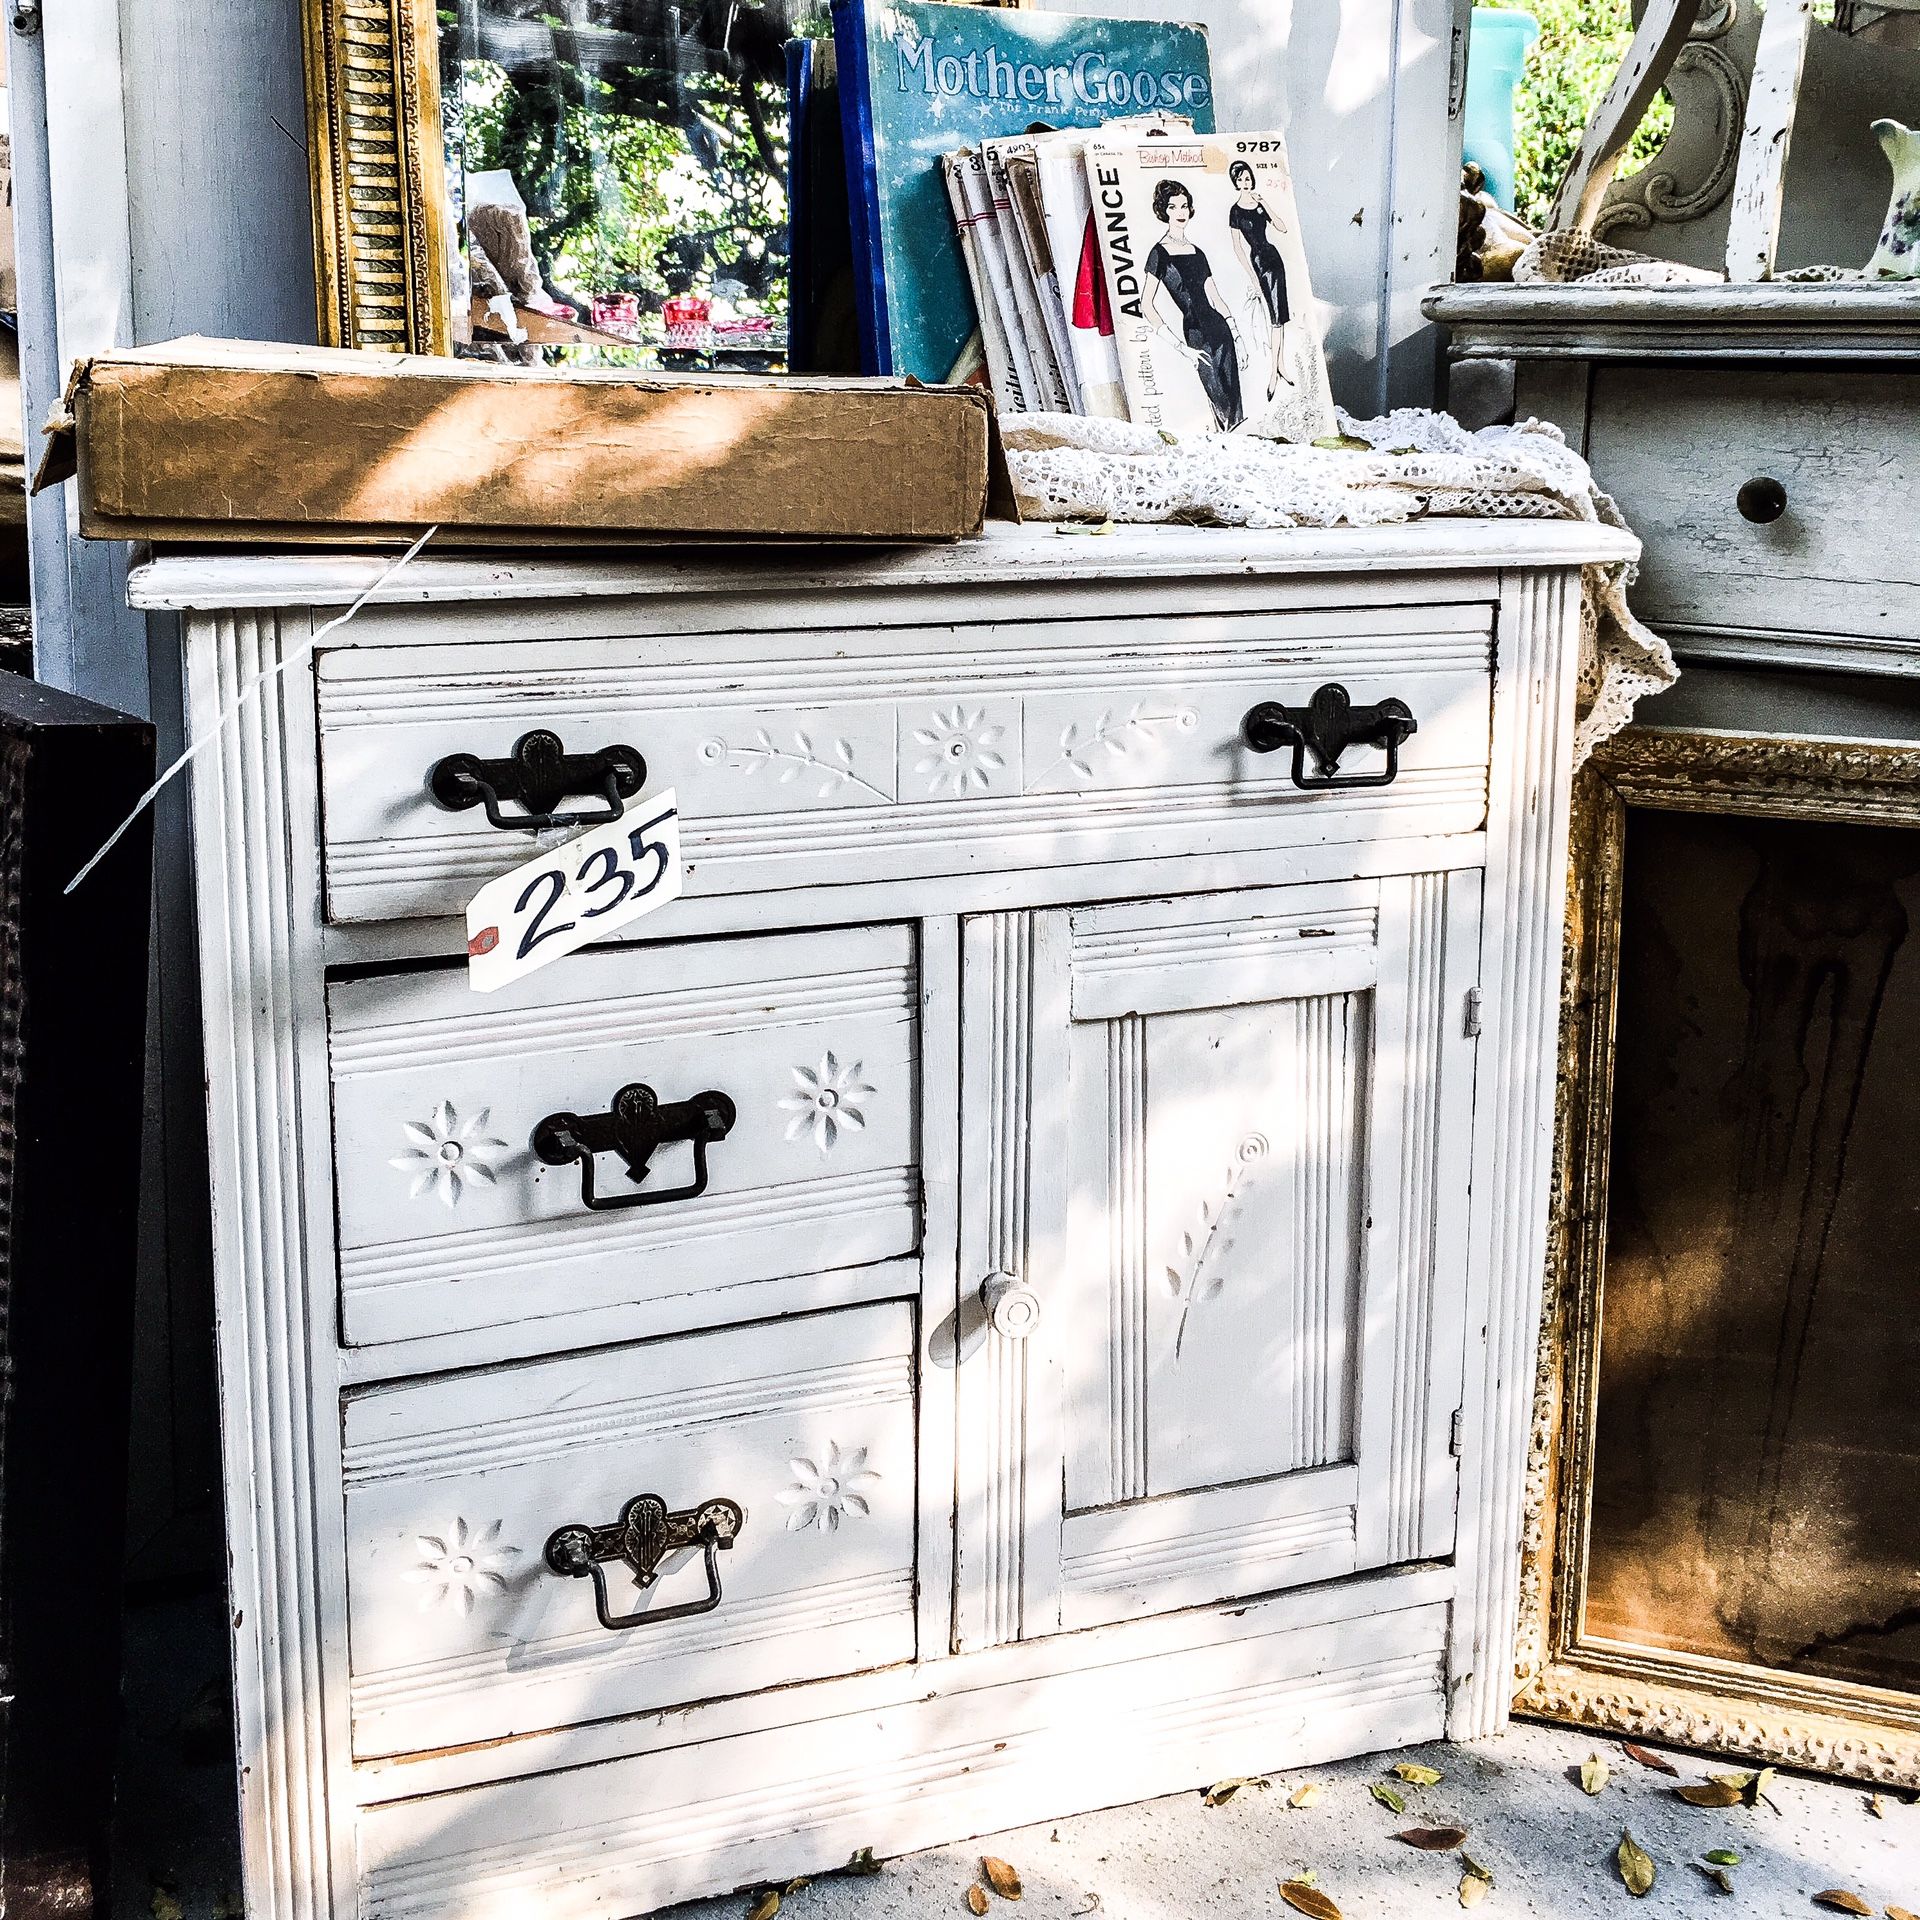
x=1568, y=72
x=649, y=146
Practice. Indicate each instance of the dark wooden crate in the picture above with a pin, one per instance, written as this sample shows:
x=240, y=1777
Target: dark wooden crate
x=73, y=1000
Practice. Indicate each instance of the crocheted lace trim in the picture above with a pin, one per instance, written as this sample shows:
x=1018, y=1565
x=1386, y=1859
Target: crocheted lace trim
x=1413, y=463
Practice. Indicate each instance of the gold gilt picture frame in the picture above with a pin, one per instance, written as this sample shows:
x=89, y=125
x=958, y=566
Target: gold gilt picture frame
x=1567, y=1668
x=377, y=172
x=377, y=168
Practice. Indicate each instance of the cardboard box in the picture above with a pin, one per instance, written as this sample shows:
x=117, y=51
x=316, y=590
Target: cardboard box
x=235, y=441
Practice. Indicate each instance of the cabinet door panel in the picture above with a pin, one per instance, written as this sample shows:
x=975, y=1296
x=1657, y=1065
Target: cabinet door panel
x=1218, y=1195
x=1239, y=1148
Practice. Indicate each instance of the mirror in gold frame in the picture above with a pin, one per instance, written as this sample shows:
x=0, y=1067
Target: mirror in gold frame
x=599, y=182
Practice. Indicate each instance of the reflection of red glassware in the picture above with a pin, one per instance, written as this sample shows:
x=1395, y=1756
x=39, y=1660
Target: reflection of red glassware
x=617, y=312
x=689, y=318
x=743, y=331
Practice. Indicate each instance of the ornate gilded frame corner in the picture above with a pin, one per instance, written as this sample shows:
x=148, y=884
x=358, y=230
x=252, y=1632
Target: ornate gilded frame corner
x=378, y=174
x=1560, y=1672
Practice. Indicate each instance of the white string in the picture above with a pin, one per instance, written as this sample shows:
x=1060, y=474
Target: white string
x=232, y=710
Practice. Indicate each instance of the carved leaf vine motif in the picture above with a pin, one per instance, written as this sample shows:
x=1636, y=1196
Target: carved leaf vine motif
x=1189, y=1281
x=833, y=767
x=1115, y=735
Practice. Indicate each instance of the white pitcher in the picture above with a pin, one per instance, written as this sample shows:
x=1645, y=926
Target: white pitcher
x=1898, y=255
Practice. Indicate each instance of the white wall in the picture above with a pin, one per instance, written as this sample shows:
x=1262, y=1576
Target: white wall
x=1366, y=92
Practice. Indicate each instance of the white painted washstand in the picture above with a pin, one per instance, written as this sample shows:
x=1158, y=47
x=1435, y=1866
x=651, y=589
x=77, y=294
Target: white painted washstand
x=1074, y=1337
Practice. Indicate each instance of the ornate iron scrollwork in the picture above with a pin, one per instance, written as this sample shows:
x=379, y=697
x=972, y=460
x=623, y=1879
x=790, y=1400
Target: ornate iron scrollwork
x=644, y=1535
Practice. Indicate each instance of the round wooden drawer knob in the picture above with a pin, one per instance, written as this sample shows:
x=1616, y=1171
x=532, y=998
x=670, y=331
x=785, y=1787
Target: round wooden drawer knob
x=1762, y=500
x=1013, y=1309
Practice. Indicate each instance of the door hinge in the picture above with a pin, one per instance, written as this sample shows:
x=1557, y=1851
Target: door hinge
x=1471, y=1025
x=1455, y=1443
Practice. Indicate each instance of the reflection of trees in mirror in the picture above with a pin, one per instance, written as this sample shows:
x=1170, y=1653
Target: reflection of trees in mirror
x=647, y=139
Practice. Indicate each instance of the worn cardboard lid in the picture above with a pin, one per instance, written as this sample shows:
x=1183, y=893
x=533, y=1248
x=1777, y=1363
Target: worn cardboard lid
x=228, y=439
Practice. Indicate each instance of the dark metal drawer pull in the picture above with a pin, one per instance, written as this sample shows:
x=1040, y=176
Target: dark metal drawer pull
x=635, y=1128
x=1762, y=500
x=640, y=1539
x=536, y=777
x=1328, y=725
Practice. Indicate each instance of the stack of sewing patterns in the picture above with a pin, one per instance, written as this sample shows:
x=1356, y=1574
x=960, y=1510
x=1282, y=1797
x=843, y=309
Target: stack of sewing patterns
x=1037, y=202
x=1143, y=272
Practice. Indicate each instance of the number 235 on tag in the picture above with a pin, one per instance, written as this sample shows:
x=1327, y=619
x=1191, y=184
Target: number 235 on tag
x=581, y=890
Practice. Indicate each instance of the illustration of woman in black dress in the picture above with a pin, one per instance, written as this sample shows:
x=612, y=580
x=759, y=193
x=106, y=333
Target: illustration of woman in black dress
x=1205, y=332
x=1253, y=228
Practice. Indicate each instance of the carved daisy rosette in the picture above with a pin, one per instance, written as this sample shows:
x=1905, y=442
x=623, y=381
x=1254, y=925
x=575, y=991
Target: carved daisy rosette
x=826, y=1099
x=461, y=1565
x=960, y=751
x=822, y=1494
x=449, y=1154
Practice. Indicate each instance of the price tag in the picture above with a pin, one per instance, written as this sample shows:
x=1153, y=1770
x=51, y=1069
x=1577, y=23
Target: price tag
x=579, y=891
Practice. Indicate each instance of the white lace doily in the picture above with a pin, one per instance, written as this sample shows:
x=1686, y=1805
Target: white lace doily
x=1066, y=467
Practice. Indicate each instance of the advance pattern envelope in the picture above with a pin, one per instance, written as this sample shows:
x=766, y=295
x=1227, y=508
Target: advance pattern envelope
x=1213, y=311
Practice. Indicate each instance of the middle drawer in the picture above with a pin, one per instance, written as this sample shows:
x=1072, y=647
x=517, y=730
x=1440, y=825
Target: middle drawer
x=449, y=1221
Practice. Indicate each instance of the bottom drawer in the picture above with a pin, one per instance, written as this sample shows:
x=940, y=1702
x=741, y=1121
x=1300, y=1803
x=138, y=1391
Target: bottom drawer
x=462, y=1630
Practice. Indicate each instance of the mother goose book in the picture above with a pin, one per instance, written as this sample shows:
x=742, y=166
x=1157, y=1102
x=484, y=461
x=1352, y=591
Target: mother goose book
x=919, y=79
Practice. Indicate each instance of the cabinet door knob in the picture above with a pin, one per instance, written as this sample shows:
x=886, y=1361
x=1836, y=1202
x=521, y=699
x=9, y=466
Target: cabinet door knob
x=536, y=777
x=646, y=1532
x=1762, y=500
x=1013, y=1309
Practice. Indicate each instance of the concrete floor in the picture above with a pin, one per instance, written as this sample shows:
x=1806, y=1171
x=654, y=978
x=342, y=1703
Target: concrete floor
x=1548, y=1845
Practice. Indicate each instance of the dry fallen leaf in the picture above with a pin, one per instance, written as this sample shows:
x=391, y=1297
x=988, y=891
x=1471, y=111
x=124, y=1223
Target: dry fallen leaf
x=1387, y=1796
x=795, y=1886
x=1001, y=1878
x=1637, y=1870
x=1842, y=1901
x=1474, y=1867
x=1900, y=1913
x=1720, y=1877
x=1309, y=1900
x=977, y=1898
x=1594, y=1773
x=1303, y=1796
x=863, y=1865
x=1876, y=1806
x=1712, y=1793
x=1222, y=1791
x=1750, y=1786
x=766, y=1906
x=1658, y=1762
x=1433, y=1839
x=1473, y=1889
x=1416, y=1775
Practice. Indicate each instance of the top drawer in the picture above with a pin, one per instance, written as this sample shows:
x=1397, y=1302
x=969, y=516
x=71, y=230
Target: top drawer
x=1676, y=445
x=820, y=758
